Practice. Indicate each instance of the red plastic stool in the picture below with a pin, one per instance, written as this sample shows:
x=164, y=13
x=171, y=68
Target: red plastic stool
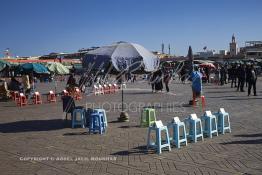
x=77, y=94
x=21, y=100
x=203, y=102
x=106, y=89
x=37, y=98
x=51, y=97
x=65, y=93
x=111, y=89
x=116, y=87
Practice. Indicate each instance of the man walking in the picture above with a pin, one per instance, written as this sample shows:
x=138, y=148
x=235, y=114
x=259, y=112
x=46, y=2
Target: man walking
x=252, y=79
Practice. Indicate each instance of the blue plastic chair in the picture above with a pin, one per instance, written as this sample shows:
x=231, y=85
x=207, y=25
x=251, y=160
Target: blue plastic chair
x=223, y=124
x=104, y=118
x=210, y=124
x=160, y=144
x=96, y=123
x=195, y=128
x=177, y=139
x=80, y=122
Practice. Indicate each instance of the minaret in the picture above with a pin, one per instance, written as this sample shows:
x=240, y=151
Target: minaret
x=233, y=46
x=163, y=48
x=168, y=49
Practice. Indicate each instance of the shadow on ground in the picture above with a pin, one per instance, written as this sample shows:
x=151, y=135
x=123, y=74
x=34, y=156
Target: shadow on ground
x=257, y=141
x=249, y=135
x=140, y=150
x=33, y=125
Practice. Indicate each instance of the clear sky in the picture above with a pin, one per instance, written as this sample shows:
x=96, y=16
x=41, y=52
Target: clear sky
x=37, y=27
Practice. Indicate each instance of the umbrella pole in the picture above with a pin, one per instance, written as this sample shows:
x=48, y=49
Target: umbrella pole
x=123, y=115
x=122, y=99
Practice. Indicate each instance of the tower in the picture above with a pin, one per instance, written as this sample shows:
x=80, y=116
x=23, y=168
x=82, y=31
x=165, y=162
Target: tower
x=163, y=48
x=168, y=49
x=233, y=46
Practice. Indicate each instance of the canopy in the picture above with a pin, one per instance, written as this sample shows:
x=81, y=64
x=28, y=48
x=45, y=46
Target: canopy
x=33, y=67
x=4, y=64
x=124, y=57
x=57, y=68
x=209, y=65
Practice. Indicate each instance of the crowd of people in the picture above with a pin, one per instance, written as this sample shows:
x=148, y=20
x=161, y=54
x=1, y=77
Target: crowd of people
x=241, y=76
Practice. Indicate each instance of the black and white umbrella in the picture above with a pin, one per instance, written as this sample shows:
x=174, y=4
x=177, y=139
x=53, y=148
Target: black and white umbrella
x=124, y=57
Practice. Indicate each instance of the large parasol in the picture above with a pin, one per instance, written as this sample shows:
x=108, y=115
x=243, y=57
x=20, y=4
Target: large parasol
x=123, y=57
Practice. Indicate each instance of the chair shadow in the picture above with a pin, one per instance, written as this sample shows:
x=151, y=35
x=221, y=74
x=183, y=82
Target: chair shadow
x=226, y=96
x=257, y=141
x=219, y=92
x=244, y=98
x=126, y=127
x=32, y=126
x=249, y=135
x=140, y=150
x=75, y=134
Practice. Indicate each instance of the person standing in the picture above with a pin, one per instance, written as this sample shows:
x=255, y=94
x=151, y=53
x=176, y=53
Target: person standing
x=196, y=79
x=167, y=78
x=207, y=72
x=222, y=75
x=233, y=76
x=252, y=79
x=183, y=74
x=241, y=78
x=26, y=84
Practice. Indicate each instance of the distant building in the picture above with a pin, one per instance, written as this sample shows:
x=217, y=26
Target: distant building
x=252, y=49
x=233, y=47
x=205, y=54
x=223, y=52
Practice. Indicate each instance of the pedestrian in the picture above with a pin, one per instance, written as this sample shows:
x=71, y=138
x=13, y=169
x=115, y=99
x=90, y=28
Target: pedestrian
x=207, y=72
x=233, y=76
x=167, y=78
x=196, y=79
x=222, y=75
x=252, y=79
x=241, y=78
x=26, y=85
x=183, y=74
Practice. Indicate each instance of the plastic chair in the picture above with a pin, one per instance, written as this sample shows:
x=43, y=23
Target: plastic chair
x=96, y=123
x=116, y=87
x=77, y=94
x=160, y=144
x=101, y=89
x=223, y=121
x=22, y=101
x=51, y=97
x=203, y=101
x=80, y=122
x=195, y=128
x=148, y=117
x=37, y=98
x=106, y=89
x=16, y=96
x=104, y=118
x=96, y=90
x=65, y=93
x=210, y=124
x=111, y=89
x=176, y=124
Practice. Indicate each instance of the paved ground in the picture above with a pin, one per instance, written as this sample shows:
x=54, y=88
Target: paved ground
x=38, y=131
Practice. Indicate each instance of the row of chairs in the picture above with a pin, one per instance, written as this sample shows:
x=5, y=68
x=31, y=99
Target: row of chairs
x=76, y=93
x=191, y=128
x=107, y=88
x=21, y=99
x=94, y=119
